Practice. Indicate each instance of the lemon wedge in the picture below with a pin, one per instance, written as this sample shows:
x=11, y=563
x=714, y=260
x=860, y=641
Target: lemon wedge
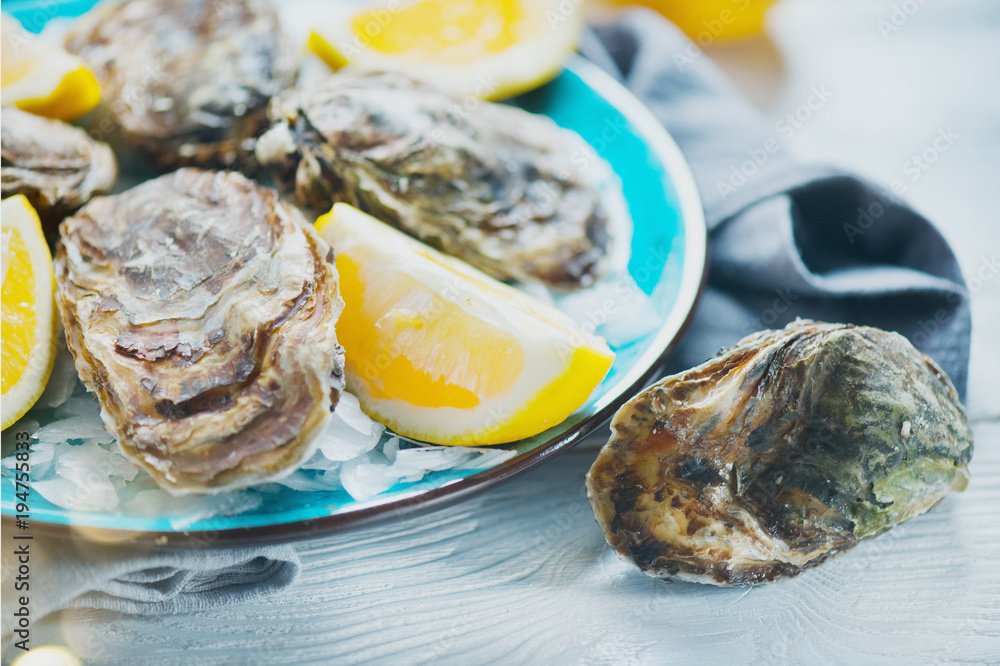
x=441, y=352
x=29, y=309
x=43, y=79
x=709, y=20
x=488, y=49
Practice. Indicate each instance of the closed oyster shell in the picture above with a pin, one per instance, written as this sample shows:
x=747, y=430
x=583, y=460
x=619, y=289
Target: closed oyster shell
x=187, y=82
x=779, y=453
x=58, y=167
x=201, y=311
x=491, y=184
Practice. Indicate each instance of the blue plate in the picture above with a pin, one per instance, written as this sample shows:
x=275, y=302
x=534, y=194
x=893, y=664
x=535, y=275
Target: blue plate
x=667, y=262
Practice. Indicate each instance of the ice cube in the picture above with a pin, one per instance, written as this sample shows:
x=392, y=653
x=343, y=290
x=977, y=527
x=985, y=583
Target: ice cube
x=79, y=427
x=349, y=411
x=320, y=462
x=100, y=495
x=364, y=478
x=391, y=448
x=340, y=442
x=63, y=379
x=84, y=464
x=311, y=481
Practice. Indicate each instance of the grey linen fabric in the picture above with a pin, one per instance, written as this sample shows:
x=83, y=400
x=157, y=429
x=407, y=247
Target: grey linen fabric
x=786, y=239
x=142, y=580
x=793, y=240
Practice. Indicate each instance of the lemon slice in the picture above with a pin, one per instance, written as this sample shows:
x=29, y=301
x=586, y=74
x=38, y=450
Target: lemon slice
x=441, y=352
x=43, y=79
x=490, y=49
x=29, y=307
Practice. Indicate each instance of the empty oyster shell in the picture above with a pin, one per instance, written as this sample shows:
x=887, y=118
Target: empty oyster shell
x=779, y=453
x=58, y=167
x=201, y=311
x=187, y=82
x=491, y=184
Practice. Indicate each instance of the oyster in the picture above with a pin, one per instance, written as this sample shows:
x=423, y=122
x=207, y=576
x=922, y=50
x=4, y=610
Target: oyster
x=201, y=311
x=58, y=167
x=187, y=82
x=781, y=452
x=493, y=185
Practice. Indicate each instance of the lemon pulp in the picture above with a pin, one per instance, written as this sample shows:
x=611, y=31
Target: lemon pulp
x=28, y=326
x=19, y=328
x=441, y=352
x=489, y=49
x=445, y=30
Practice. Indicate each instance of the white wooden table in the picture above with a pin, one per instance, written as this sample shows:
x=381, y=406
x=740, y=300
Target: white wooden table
x=521, y=574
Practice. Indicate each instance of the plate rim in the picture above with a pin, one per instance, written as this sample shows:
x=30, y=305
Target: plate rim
x=693, y=279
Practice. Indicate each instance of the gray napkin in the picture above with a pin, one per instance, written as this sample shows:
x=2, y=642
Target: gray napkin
x=66, y=573
x=786, y=239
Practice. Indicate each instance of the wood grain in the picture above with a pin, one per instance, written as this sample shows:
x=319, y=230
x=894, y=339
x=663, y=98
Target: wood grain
x=521, y=575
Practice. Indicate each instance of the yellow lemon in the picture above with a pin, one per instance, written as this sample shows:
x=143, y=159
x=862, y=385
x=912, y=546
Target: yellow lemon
x=709, y=20
x=488, y=49
x=29, y=309
x=441, y=352
x=43, y=79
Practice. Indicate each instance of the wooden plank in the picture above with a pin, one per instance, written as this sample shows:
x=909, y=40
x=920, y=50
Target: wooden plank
x=521, y=574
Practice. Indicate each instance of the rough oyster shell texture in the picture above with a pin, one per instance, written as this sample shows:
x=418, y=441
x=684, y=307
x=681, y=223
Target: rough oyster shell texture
x=779, y=453
x=58, y=167
x=187, y=82
x=491, y=184
x=201, y=311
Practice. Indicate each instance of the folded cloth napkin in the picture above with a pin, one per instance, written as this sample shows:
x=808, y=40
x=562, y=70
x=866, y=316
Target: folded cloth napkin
x=140, y=580
x=786, y=240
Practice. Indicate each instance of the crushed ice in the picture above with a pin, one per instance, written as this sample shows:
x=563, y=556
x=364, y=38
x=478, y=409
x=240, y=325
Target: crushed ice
x=77, y=465
x=615, y=308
